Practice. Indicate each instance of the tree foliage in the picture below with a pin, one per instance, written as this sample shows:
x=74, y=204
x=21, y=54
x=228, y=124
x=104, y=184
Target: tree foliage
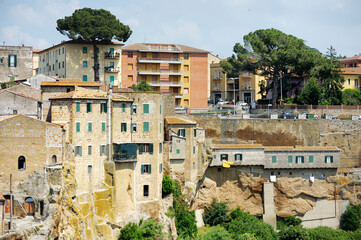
x=240, y=222
x=351, y=218
x=327, y=233
x=215, y=213
x=311, y=93
x=351, y=97
x=146, y=230
x=167, y=185
x=130, y=232
x=216, y=233
x=142, y=86
x=294, y=233
x=95, y=26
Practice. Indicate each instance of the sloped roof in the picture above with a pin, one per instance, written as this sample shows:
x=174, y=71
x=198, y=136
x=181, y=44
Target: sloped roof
x=143, y=46
x=237, y=146
x=178, y=121
x=7, y=117
x=82, y=93
x=121, y=98
x=78, y=42
x=19, y=94
x=300, y=148
x=354, y=58
x=70, y=82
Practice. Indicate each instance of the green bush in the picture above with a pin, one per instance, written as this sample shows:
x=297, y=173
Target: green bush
x=289, y=221
x=216, y=233
x=130, y=232
x=240, y=222
x=327, y=233
x=351, y=97
x=167, y=186
x=151, y=229
x=351, y=218
x=215, y=213
x=294, y=233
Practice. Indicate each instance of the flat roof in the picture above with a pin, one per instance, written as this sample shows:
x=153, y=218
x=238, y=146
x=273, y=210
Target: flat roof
x=237, y=146
x=300, y=148
x=178, y=121
x=70, y=83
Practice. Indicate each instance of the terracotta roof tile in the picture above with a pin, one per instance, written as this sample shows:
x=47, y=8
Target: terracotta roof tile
x=179, y=121
x=143, y=46
x=71, y=83
x=77, y=42
x=19, y=94
x=82, y=93
x=185, y=48
x=351, y=70
x=300, y=148
x=237, y=146
x=121, y=98
x=354, y=58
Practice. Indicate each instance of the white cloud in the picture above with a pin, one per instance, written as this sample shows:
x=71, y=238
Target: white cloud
x=12, y=35
x=180, y=30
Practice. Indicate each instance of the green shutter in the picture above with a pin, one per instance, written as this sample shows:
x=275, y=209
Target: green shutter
x=310, y=159
x=140, y=146
x=325, y=159
x=85, y=78
x=289, y=159
x=160, y=147
x=123, y=107
x=274, y=159
x=160, y=109
x=178, y=132
x=150, y=168
x=88, y=107
x=194, y=149
x=85, y=49
x=178, y=151
x=9, y=60
x=145, y=126
x=77, y=107
x=302, y=159
x=331, y=159
x=111, y=78
x=151, y=148
x=80, y=151
x=15, y=61
x=78, y=127
x=142, y=169
x=111, y=49
x=146, y=108
x=195, y=132
x=103, y=126
x=90, y=127
x=160, y=167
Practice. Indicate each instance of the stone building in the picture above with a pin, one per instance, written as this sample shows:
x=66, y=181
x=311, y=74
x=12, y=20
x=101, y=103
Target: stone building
x=15, y=63
x=74, y=59
x=27, y=147
x=278, y=161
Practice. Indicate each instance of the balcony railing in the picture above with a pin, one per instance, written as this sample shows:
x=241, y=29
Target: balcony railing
x=160, y=72
x=160, y=60
x=124, y=157
x=111, y=69
x=166, y=84
x=111, y=54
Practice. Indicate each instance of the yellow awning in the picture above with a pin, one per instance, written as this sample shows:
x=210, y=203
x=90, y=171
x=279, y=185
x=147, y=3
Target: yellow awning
x=227, y=164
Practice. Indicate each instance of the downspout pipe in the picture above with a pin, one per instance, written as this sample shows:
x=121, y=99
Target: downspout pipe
x=109, y=127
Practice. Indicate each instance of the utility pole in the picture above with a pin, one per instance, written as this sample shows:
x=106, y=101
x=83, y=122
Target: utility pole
x=11, y=203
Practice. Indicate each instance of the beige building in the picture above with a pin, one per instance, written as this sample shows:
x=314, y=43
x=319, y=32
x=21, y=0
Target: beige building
x=15, y=63
x=74, y=59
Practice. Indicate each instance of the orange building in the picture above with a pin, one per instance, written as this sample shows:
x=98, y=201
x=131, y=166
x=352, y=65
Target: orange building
x=171, y=69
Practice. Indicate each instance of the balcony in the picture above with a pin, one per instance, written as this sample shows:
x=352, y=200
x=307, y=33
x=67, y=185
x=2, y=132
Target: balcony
x=111, y=69
x=165, y=84
x=178, y=95
x=126, y=152
x=160, y=60
x=112, y=54
x=160, y=72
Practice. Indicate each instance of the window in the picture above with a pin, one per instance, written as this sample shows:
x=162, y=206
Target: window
x=90, y=169
x=186, y=56
x=300, y=159
x=130, y=78
x=123, y=107
x=130, y=66
x=186, y=79
x=134, y=109
x=145, y=190
x=21, y=163
x=238, y=157
x=349, y=81
x=160, y=109
x=186, y=68
x=63, y=50
x=2, y=61
x=85, y=50
x=123, y=127
x=146, y=168
x=274, y=159
x=181, y=132
x=328, y=159
x=195, y=132
x=53, y=67
x=59, y=65
x=146, y=108
x=145, y=148
x=12, y=61
x=15, y=111
x=103, y=150
x=103, y=126
x=186, y=90
x=224, y=157
x=90, y=126
x=186, y=102
x=145, y=126
x=77, y=124
x=178, y=151
x=134, y=127
x=290, y=159
x=85, y=64
x=63, y=64
x=160, y=147
x=111, y=64
x=160, y=127
x=160, y=167
x=251, y=170
x=78, y=151
x=88, y=107
x=310, y=159
x=111, y=79
x=103, y=107
x=53, y=159
x=85, y=78
x=89, y=150
x=130, y=54
x=194, y=149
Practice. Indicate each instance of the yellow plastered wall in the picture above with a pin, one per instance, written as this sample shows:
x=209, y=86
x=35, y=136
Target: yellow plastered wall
x=351, y=84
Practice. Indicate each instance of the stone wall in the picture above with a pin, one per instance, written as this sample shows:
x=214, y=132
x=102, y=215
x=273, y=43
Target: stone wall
x=344, y=134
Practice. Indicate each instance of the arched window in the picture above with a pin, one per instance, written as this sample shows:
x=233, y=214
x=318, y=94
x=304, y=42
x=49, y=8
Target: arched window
x=21, y=163
x=53, y=159
x=29, y=206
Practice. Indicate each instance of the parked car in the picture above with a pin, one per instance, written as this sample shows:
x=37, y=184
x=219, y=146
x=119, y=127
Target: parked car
x=288, y=115
x=221, y=102
x=328, y=116
x=241, y=103
x=231, y=102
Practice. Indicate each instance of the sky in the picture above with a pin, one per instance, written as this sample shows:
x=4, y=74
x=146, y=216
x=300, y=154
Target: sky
x=212, y=25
